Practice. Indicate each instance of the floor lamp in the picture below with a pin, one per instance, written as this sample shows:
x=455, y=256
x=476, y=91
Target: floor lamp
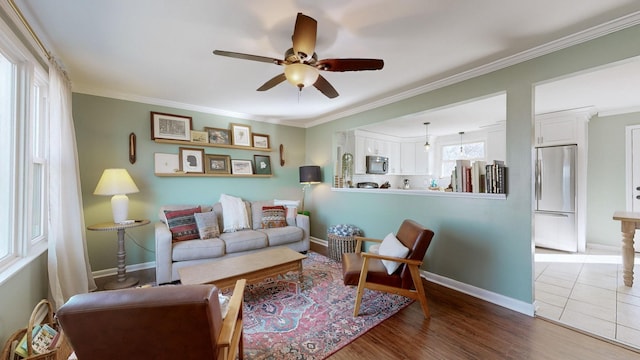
x=308, y=175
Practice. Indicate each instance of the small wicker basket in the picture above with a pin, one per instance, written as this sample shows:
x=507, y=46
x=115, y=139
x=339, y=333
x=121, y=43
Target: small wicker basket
x=339, y=245
x=63, y=348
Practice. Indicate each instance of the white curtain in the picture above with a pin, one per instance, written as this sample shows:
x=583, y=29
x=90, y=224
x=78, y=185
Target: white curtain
x=69, y=268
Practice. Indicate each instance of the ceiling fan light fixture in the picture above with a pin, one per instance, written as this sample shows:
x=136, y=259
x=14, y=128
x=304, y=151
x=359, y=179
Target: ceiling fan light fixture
x=301, y=75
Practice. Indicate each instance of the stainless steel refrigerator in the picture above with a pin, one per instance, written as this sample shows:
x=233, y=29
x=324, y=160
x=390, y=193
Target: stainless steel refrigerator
x=555, y=224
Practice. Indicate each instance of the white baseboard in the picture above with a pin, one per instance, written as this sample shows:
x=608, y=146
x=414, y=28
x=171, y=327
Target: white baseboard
x=500, y=300
x=130, y=268
x=322, y=242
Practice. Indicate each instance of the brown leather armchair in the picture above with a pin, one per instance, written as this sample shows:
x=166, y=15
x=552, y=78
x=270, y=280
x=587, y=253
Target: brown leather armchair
x=366, y=270
x=167, y=322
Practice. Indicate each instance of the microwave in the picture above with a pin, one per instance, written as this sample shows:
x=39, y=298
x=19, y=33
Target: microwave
x=377, y=164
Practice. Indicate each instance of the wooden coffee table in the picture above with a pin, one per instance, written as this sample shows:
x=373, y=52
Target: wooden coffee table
x=254, y=267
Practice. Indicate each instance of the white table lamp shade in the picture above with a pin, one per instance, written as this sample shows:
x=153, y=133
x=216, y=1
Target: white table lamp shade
x=118, y=183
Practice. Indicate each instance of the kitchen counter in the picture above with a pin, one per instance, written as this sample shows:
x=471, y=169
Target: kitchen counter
x=424, y=192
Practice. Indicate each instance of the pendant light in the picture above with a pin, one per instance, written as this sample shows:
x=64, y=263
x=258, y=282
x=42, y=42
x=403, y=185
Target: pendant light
x=461, y=150
x=426, y=143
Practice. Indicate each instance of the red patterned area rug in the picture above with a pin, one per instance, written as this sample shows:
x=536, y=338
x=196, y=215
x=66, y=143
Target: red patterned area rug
x=282, y=323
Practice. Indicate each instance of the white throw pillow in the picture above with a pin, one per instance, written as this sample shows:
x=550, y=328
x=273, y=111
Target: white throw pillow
x=391, y=246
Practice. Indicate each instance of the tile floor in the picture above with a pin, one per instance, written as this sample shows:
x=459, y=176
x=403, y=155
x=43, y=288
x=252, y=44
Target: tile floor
x=586, y=291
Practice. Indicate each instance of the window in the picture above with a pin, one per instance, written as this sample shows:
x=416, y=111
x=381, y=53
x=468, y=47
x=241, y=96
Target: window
x=7, y=89
x=469, y=151
x=23, y=154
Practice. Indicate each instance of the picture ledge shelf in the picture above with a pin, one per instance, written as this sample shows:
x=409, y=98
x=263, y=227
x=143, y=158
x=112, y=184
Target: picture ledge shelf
x=211, y=175
x=191, y=143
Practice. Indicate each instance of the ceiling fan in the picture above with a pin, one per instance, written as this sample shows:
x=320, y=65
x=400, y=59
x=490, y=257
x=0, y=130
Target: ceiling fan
x=301, y=64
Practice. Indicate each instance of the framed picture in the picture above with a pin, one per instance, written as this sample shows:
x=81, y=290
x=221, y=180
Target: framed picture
x=173, y=127
x=260, y=141
x=218, y=136
x=199, y=136
x=263, y=164
x=218, y=164
x=241, y=134
x=166, y=163
x=191, y=160
x=241, y=167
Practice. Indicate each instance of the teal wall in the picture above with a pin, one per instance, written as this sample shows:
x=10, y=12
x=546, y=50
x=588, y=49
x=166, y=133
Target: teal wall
x=606, y=183
x=103, y=126
x=483, y=243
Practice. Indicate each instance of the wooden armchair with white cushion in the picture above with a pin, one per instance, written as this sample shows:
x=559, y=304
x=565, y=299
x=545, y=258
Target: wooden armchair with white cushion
x=394, y=269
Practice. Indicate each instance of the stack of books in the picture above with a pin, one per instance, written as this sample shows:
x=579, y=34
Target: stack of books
x=479, y=177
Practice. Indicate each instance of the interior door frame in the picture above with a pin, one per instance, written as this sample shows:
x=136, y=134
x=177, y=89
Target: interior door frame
x=629, y=166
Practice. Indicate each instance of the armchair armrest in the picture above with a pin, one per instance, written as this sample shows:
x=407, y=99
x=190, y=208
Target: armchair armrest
x=361, y=239
x=392, y=258
x=230, y=338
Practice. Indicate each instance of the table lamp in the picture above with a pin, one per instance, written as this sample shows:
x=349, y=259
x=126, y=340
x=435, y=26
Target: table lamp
x=118, y=183
x=309, y=174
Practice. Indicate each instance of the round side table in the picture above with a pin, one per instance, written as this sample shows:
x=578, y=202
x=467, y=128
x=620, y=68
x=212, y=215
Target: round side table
x=122, y=281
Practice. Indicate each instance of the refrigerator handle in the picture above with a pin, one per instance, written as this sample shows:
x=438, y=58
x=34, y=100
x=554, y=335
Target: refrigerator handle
x=538, y=184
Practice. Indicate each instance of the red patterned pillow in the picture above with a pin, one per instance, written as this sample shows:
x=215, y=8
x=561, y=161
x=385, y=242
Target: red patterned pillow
x=182, y=224
x=273, y=217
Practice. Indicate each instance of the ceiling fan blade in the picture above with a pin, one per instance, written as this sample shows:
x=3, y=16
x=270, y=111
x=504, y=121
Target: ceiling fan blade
x=349, y=64
x=248, y=57
x=273, y=82
x=304, y=36
x=327, y=89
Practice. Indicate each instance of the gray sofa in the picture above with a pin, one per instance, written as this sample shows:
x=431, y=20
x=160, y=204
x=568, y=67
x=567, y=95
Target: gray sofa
x=170, y=256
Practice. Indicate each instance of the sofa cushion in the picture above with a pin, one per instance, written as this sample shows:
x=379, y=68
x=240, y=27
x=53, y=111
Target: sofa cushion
x=207, y=225
x=273, y=217
x=243, y=241
x=182, y=224
x=197, y=249
x=283, y=235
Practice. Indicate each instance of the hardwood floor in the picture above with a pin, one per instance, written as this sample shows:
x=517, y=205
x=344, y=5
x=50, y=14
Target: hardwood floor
x=464, y=327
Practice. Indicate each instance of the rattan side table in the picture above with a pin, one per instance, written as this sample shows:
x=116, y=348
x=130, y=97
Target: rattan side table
x=122, y=280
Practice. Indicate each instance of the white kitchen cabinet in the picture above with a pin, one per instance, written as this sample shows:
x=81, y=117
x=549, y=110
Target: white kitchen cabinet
x=422, y=159
x=367, y=144
x=394, y=157
x=558, y=131
x=407, y=158
x=413, y=158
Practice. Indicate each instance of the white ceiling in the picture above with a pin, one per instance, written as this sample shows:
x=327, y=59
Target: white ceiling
x=160, y=51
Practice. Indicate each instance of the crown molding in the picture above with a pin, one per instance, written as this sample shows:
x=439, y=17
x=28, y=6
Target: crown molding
x=173, y=104
x=621, y=111
x=548, y=48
